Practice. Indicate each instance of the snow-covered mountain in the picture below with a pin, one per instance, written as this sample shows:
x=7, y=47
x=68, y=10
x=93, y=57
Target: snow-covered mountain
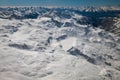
x=42, y=43
x=103, y=17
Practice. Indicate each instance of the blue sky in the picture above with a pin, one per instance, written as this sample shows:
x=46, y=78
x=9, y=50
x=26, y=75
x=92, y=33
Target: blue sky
x=58, y=2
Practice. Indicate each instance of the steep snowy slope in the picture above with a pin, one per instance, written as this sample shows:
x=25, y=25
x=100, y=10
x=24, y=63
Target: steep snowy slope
x=58, y=44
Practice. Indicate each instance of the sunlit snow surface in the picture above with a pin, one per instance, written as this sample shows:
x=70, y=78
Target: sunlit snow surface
x=39, y=49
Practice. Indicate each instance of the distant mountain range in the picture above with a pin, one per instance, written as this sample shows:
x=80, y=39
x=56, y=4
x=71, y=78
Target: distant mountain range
x=105, y=17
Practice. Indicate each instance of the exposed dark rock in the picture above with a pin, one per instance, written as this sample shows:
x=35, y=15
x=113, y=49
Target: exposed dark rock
x=61, y=37
x=77, y=52
x=20, y=46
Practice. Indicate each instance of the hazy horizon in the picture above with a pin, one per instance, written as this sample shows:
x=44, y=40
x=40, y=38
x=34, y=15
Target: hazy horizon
x=59, y=3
